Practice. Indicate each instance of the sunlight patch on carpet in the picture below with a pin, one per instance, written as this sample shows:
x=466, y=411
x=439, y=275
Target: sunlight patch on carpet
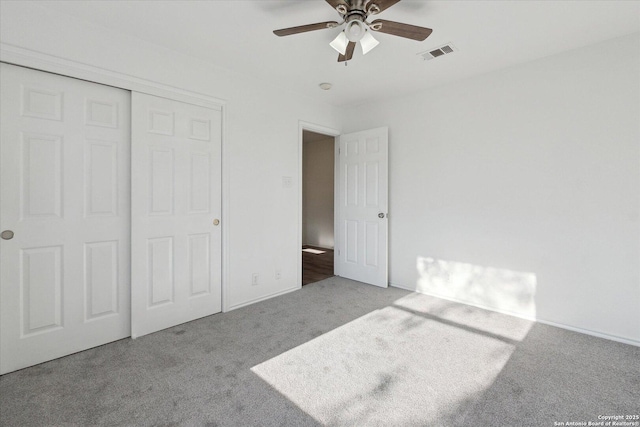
x=393, y=366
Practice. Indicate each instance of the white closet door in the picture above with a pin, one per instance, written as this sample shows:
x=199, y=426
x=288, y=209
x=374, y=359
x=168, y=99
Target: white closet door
x=65, y=197
x=361, y=231
x=176, y=207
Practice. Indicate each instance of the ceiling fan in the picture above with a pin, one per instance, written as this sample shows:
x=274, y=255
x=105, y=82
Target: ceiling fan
x=354, y=14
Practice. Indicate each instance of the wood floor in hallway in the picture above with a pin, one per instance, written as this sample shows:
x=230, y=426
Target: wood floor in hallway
x=316, y=267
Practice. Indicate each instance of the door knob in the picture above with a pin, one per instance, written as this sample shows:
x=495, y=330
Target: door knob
x=7, y=234
x=380, y=215
x=216, y=221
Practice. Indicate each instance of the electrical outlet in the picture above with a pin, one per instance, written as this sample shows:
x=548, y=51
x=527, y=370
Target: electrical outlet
x=254, y=279
x=278, y=274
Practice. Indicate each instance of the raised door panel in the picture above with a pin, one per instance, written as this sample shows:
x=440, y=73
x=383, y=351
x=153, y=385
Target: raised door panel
x=351, y=241
x=41, y=102
x=101, y=113
x=101, y=178
x=200, y=129
x=371, y=247
x=161, y=122
x=352, y=184
x=371, y=186
x=161, y=271
x=41, y=175
x=42, y=287
x=199, y=183
x=161, y=183
x=199, y=264
x=101, y=279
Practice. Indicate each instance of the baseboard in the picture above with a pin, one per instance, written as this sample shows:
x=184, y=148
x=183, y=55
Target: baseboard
x=514, y=314
x=590, y=332
x=484, y=307
x=266, y=297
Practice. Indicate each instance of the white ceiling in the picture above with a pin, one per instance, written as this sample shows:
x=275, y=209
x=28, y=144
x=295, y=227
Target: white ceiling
x=238, y=35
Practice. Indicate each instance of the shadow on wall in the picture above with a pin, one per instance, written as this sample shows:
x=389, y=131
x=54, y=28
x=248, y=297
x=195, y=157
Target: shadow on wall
x=507, y=291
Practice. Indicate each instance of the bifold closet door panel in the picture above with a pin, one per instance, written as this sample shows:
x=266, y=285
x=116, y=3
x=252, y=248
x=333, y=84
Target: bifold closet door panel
x=65, y=216
x=176, y=208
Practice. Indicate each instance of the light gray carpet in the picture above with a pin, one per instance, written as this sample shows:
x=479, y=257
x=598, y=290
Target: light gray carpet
x=336, y=352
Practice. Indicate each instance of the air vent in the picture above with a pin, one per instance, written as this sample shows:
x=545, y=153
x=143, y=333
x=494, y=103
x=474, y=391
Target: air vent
x=439, y=51
x=447, y=49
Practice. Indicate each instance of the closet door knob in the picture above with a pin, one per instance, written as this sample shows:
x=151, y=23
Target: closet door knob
x=7, y=234
x=216, y=221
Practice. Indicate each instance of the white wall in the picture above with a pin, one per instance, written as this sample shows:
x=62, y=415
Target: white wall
x=317, y=200
x=532, y=169
x=261, y=135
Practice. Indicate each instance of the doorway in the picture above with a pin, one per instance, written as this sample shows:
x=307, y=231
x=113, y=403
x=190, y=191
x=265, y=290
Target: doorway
x=318, y=241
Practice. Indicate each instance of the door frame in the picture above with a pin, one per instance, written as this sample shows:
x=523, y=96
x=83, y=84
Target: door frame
x=335, y=133
x=44, y=62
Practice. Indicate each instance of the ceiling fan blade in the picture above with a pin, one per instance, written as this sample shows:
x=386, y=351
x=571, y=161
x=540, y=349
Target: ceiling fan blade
x=384, y=4
x=305, y=28
x=348, y=53
x=337, y=3
x=403, y=30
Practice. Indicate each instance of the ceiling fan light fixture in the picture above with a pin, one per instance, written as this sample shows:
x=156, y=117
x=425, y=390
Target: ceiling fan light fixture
x=368, y=42
x=355, y=30
x=340, y=43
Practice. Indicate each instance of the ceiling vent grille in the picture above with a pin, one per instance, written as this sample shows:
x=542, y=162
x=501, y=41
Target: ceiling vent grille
x=439, y=51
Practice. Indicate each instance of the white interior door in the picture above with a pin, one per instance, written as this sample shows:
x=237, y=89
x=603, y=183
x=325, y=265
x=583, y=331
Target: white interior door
x=65, y=201
x=361, y=229
x=176, y=207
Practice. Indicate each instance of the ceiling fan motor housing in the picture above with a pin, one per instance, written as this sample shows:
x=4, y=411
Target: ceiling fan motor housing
x=356, y=21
